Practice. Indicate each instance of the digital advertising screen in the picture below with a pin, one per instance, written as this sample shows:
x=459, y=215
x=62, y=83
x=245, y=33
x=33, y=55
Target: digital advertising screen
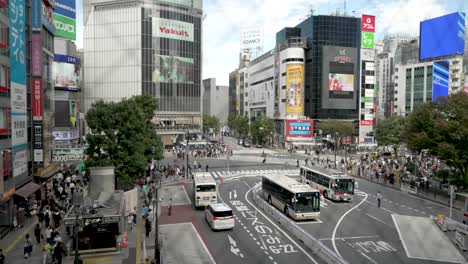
x=341, y=80
x=299, y=129
x=442, y=36
x=66, y=72
x=440, y=79
x=173, y=69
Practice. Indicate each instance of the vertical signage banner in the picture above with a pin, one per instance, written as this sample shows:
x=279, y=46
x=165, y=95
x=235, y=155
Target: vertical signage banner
x=38, y=144
x=37, y=100
x=20, y=163
x=36, y=55
x=295, y=89
x=36, y=14
x=17, y=40
x=368, y=23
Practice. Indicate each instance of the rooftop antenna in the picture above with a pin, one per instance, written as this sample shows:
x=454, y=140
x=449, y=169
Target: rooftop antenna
x=344, y=10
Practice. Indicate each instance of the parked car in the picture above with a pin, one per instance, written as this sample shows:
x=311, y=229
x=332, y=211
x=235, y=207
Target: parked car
x=240, y=142
x=219, y=216
x=246, y=144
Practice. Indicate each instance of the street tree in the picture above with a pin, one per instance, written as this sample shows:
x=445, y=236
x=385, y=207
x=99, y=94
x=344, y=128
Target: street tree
x=261, y=128
x=330, y=127
x=442, y=128
x=238, y=123
x=210, y=122
x=122, y=135
x=388, y=131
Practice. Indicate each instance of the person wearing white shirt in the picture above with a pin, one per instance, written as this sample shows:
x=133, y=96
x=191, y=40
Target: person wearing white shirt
x=72, y=187
x=73, y=178
x=60, y=176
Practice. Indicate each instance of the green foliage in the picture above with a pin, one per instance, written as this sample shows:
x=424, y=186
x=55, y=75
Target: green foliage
x=239, y=123
x=330, y=127
x=388, y=131
x=122, y=135
x=442, y=128
x=261, y=128
x=210, y=122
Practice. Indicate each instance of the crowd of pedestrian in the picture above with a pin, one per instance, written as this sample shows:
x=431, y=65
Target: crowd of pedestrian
x=49, y=212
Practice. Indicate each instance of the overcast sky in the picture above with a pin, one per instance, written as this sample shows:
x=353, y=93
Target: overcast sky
x=224, y=18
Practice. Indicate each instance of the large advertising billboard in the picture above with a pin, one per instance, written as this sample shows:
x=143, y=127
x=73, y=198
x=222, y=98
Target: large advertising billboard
x=251, y=37
x=295, y=89
x=37, y=99
x=173, y=69
x=299, y=129
x=442, y=36
x=173, y=29
x=339, y=82
x=66, y=72
x=65, y=19
x=368, y=23
x=440, y=79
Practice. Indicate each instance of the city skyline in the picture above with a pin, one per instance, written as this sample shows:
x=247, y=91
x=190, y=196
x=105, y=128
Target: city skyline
x=221, y=32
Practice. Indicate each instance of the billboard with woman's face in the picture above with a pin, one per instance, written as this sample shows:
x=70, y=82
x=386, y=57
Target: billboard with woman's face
x=173, y=69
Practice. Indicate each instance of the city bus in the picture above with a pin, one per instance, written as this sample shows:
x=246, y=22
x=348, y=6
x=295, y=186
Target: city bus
x=295, y=199
x=333, y=185
x=204, y=189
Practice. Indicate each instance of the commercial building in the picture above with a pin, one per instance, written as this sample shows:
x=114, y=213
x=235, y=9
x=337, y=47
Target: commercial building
x=147, y=48
x=216, y=100
x=234, y=99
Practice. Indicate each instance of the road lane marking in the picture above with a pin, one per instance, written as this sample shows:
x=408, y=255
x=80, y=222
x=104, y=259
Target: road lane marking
x=281, y=230
x=203, y=244
x=20, y=237
x=339, y=222
x=385, y=209
x=367, y=257
x=346, y=238
x=399, y=234
x=376, y=219
x=316, y=221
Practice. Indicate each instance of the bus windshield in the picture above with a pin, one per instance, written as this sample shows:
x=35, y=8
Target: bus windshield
x=206, y=188
x=309, y=201
x=346, y=185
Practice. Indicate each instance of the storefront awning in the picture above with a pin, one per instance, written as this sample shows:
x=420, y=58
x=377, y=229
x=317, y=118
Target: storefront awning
x=27, y=189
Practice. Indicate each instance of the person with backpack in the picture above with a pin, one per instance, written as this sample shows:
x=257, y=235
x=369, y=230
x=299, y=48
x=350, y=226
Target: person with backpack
x=58, y=251
x=27, y=246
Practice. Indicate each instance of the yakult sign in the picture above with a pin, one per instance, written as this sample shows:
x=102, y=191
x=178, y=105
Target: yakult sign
x=166, y=28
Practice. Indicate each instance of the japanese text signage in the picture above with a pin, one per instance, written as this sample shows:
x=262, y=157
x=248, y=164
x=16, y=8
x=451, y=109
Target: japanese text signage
x=48, y=17
x=38, y=144
x=367, y=40
x=368, y=23
x=173, y=29
x=36, y=59
x=36, y=14
x=299, y=129
x=65, y=19
x=18, y=41
x=20, y=163
x=37, y=99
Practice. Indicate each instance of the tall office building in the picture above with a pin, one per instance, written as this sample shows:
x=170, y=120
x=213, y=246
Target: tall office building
x=215, y=100
x=333, y=47
x=151, y=48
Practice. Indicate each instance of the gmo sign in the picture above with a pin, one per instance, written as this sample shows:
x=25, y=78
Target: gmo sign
x=251, y=41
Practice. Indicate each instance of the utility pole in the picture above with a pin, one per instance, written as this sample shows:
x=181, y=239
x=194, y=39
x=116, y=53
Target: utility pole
x=336, y=145
x=157, y=253
x=187, y=153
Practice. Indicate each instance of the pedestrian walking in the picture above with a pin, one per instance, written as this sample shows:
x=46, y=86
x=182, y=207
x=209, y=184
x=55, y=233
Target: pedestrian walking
x=207, y=168
x=2, y=257
x=37, y=233
x=46, y=253
x=58, y=251
x=379, y=198
x=48, y=233
x=169, y=207
x=47, y=216
x=130, y=221
x=147, y=227
x=27, y=246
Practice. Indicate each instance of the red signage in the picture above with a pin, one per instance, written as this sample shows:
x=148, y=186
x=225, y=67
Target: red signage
x=37, y=99
x=368, y=23
x=299, y=128
x=367, y=122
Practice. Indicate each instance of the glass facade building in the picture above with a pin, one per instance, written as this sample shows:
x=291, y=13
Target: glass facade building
x=319, y=32
x=147, y=48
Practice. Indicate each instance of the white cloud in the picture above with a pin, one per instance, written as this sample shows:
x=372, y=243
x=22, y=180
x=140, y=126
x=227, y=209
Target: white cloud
x=224, y=19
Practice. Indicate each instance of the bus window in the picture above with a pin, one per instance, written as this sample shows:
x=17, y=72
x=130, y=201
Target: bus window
x=206, y=188
x=344, y=186
x=309, y=175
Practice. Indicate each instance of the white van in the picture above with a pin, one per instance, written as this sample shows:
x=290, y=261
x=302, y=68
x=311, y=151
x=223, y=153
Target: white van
x=219, y=216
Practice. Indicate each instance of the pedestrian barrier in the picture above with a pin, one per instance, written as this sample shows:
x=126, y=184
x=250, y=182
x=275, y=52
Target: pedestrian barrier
x=441, y=222
x=460, y=239
x=315, y=245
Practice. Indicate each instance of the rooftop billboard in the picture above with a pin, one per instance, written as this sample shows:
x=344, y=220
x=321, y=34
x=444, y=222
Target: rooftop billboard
x=442, y=36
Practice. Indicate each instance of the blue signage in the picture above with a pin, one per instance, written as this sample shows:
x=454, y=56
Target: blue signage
x=36, y=14
x=67, y=59
x=17, y=39
x=440, y=79
x=299, y=128
x=65, y=8
x=442, y=36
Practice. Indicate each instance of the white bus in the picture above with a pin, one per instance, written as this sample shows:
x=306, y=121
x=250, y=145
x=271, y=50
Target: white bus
x=295, y=199
x=204, y=189
x=332, y=184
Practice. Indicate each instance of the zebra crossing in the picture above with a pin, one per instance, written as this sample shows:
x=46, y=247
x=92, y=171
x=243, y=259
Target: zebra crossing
x=254, y=173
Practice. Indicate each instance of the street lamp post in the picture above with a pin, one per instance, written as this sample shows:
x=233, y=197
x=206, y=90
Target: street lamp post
x=336, y=146
x=187, y=153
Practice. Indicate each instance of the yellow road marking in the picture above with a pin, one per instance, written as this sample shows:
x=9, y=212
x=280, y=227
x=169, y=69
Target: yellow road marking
x=20, y=237
x=96, y=260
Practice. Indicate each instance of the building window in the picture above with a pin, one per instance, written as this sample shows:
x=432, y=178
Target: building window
x=3, y=121
x=3, y=36
x=4, y=78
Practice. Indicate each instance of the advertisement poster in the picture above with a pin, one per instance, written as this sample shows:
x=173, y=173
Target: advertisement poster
x=368, y=23
x=36, y=59
x=68, y=154
x=440, y=79
x=367, y=40
x=36, y=15
x=173, y=29
x=48, y=17
x=20, y=163
x=19, y=131
x=173, y=69
x=251, y=37
x=340, y=82
x=295, y=89
x=301, y=129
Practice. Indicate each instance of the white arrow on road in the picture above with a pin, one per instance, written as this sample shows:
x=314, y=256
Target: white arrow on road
x=232, y=241
x=233, y=193
x=234, y=249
